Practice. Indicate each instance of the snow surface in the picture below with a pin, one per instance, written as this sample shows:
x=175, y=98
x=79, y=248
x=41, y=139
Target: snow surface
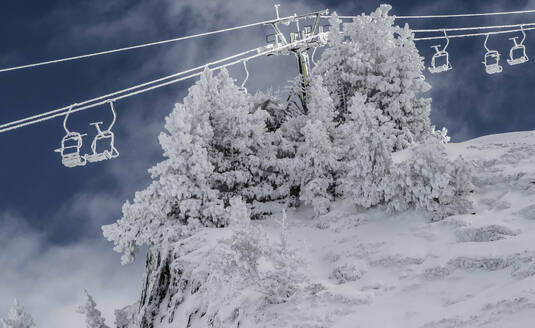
x=465, y=271
x=367, y=268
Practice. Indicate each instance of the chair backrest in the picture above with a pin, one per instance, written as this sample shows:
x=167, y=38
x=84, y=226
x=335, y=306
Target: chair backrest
x=72, y=141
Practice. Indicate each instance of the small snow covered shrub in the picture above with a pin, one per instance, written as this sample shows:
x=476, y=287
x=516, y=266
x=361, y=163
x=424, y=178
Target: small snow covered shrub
x=281, y=280
x=440, y=135
x=126, y=317
x=429, y=181
x=248, y=261
x=346, y=273
x=248, y=242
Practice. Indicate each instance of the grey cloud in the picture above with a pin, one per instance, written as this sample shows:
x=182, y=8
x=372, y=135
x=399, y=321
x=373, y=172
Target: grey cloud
x=49, y=280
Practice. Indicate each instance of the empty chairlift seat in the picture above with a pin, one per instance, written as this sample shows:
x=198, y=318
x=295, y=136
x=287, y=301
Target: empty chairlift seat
x=103, y=145
x=71, y=145
x=70, y=150
x=491, y=60
x=517, y=54
x=441, y=59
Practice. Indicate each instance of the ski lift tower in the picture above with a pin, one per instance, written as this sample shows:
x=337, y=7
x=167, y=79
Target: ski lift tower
x=304, y=34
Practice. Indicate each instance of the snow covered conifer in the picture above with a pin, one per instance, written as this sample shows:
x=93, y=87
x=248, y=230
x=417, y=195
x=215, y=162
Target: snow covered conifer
x=241, y=149
x=181, y=194
x=366, y=155
x=93, y=317
x=315, y=159
x=380, y=61
x=17, y=317
x=217, y=146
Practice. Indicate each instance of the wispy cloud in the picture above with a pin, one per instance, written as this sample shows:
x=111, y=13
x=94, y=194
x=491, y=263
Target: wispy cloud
x=49, y=279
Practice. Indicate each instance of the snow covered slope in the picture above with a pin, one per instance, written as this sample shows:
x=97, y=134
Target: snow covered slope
x=367, y=268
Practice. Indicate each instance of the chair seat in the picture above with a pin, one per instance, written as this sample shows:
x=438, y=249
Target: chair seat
x=99, y=156
x=72, y=160
x=516, y=61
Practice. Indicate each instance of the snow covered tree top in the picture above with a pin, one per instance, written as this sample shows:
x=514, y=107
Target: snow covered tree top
x=373, y=57
x=93, y=317
x=17, y=317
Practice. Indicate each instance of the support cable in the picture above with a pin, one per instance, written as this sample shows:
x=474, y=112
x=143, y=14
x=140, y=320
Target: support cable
x=451, y=15
x=469, y=15
x=63, y=111
x=128, y=89
x=140, y=45
x=455, y=36
x=453, y=29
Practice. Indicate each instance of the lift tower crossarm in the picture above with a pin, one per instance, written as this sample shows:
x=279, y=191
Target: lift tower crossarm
x=300, y=50
x=287, y=20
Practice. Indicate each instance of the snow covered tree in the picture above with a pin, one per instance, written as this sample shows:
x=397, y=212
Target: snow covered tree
x=242, y=149
x=180, y=197
x=380, y=61
x=17, y=317
x=217, y=146
x=126, y=317
x=315, y=160
x=93, y=317
x=366, y=158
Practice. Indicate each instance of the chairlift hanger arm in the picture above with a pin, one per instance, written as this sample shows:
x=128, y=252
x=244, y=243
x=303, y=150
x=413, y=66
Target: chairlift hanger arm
x=316, y=23
x=279, y=34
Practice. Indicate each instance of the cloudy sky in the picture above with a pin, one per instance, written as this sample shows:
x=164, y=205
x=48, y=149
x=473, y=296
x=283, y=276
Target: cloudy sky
x=50, y=216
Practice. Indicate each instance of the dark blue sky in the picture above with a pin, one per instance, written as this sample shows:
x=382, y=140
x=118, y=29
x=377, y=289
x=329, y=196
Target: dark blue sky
x=67, y=206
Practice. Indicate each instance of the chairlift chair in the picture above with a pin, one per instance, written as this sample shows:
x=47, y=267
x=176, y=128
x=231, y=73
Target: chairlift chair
x=70, y=150
x=71, y=144
x=324, y=33
x=294, y=36
x=515, y=50
x=441, y=56
x=307, y=31
x=518, y=48
x=105, y=137
x=492, y=60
